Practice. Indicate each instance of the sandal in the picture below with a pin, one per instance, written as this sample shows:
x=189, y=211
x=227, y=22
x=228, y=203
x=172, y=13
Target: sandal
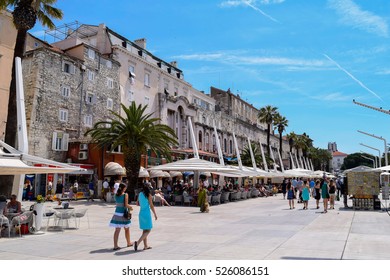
x=147, y=248
x=135, y=245
x=116, y=248
x=130, y=245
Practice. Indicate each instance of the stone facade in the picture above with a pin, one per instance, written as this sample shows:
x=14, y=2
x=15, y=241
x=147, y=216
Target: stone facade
x=66, y=92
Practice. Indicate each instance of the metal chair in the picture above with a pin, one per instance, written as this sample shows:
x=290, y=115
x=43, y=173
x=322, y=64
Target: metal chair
x=187, y=199
x=25, y=218
x=78, y=214
x=64, y=215
x=4, y=225
x=179, y=199
x=157, y=200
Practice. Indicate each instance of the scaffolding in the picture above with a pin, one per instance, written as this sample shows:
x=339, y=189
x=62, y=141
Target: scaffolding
x=70, y=30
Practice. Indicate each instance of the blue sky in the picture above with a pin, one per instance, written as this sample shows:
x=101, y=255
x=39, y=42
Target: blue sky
x=308, y=58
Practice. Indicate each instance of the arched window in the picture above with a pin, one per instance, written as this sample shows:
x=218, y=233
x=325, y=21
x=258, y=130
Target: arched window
x=206, y=142
x=231, y=147
x=225, y=145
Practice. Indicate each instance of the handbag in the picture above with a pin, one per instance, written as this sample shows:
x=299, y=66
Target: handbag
x=127, y=214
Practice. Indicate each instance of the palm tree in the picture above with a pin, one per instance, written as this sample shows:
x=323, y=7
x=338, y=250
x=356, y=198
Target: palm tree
x=25, y=15
x=246, y=155
x=135, y=132
x=291, y=142
x=280, y=123
x=267, y=115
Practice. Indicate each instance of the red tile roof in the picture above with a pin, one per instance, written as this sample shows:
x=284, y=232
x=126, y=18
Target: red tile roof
x=339, y=154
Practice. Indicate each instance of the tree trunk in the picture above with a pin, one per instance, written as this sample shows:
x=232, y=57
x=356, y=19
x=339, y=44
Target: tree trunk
x=132, y=164
x=6, y=182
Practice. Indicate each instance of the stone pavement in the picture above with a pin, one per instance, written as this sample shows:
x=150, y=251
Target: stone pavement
x=254, y=229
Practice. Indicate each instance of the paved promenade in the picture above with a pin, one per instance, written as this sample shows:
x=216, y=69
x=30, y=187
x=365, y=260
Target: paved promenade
x=253, y=229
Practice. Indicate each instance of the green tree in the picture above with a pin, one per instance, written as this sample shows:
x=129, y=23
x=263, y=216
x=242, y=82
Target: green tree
x=267, y=115
x=136, y=132
x=246, y=155
x=280, y=123
x=355, y=160
x=320, y=158
x=25, y=15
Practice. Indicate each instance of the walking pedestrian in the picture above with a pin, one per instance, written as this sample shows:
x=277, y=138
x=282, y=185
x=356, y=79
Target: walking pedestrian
x=325, y=194
x=317, y=193
x=284, y=188
x=305, y=194
x=145, y=218
x=118, y=221
x=290, y=195
x=332, y=194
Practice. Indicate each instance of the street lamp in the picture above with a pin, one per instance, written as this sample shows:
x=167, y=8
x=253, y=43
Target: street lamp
x=380, y=138
x=374, y=159
x=380, y=162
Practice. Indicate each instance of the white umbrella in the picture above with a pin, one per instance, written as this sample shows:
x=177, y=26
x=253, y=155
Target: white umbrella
x=143, y=173
x=175, y=173
x=113, y=169
x=158, y=173
x=195, y=164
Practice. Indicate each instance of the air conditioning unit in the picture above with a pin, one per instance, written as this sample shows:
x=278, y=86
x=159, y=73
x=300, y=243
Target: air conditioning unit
x=83, y=155
x=83, y=147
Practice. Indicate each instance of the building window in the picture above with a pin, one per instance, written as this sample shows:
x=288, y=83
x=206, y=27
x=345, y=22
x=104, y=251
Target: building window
x=108, y=123
x=147, y=80
x=130, y=96
x=146, y=101
x=110, y=83
x=110, y=104
x=176, y=91
x=60, y=141
x=68, y=67
x=88, y=120
x=91, y=53
x=63, y=115
x=65, y=91
x=91, y=75
x=109, y=64
x=90, y=98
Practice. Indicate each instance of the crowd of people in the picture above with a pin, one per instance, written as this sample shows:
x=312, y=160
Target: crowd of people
x=302, y=189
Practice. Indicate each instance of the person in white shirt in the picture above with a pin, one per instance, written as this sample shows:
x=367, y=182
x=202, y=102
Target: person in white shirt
x=106, y=189
x=116, y=186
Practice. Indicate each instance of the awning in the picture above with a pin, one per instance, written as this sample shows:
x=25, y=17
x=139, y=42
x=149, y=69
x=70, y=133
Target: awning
x=158, y=173
x=15, y=162
x=143, y=173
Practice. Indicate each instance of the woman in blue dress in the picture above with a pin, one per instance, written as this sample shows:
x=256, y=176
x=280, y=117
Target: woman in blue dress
x=145, y=218
x=290, y=195
x=117, y=220
x=305, y=194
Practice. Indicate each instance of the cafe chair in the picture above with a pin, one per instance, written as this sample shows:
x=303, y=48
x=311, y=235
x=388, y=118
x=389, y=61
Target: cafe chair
x=47, y=215
x=178, y=199
x=63, y=216
x=25, y=218
x=187, y=200
x=4, y=225
x=157, y=200
x=78, y=214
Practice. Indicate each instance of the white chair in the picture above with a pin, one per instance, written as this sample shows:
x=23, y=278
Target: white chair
x=78, y=214
x=25, y=218
x=47, y=215
x=187, y=199
x=179, y=199
x=64, y=215
x=4, y=225
x=157, y=200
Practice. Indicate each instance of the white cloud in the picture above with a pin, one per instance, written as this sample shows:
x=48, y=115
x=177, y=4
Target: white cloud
x=352, y=15
x=242, y=59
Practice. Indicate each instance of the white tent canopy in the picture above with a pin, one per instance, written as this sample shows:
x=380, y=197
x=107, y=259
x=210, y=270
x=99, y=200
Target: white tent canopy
x=16, y=163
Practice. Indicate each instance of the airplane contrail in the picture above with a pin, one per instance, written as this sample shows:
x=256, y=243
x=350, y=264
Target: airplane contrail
x=248, y=3
x=353, y=78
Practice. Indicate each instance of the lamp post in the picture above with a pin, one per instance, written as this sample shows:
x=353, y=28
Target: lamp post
x=380, y=138
x=380, y=161
x=374, y=159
